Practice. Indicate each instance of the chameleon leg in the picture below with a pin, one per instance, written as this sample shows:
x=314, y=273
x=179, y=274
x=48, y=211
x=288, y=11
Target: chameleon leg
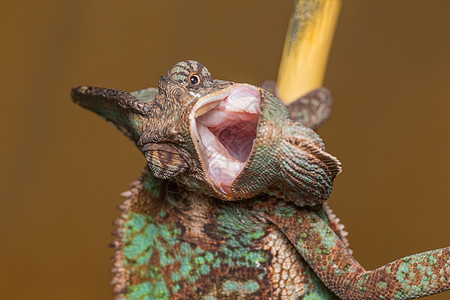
x=410, y=277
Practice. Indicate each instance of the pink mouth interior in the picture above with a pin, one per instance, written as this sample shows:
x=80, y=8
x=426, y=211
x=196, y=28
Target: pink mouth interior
x=227, y=134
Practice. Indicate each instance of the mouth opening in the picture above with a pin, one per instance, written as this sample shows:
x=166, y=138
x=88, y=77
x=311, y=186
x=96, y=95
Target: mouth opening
x=224, y=126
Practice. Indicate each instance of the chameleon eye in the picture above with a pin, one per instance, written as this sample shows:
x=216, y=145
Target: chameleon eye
x=194, y=79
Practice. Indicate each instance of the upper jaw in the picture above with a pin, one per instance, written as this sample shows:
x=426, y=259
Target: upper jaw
x=223, y=128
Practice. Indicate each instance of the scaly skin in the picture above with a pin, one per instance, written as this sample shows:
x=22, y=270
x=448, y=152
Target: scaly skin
x=411, y=277
x=269, y=235
x=190, y=246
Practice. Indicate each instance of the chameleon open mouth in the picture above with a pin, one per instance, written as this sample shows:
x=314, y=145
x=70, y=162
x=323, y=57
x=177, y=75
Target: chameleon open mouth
x=224, y=127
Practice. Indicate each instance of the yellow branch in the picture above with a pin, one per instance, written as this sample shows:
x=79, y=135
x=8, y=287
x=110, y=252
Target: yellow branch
x=307, y=47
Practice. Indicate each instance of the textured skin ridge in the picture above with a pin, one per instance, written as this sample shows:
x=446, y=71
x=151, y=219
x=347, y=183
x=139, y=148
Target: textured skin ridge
x=121, y=274
x=337, y=226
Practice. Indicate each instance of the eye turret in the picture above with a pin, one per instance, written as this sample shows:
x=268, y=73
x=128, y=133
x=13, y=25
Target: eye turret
x=191, y=74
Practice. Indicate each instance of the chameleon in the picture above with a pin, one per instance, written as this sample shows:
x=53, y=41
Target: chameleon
x=232, y=201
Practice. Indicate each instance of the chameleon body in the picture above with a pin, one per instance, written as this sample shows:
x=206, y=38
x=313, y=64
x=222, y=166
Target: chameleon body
x=232, y=202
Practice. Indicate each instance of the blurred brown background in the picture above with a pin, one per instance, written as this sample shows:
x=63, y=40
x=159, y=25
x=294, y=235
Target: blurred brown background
x=62, y=168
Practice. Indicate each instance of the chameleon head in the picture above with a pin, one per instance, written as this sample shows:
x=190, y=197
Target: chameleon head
x=228, y=140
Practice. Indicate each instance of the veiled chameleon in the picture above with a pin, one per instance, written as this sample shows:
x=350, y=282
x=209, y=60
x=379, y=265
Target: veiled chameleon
x=231, y=205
